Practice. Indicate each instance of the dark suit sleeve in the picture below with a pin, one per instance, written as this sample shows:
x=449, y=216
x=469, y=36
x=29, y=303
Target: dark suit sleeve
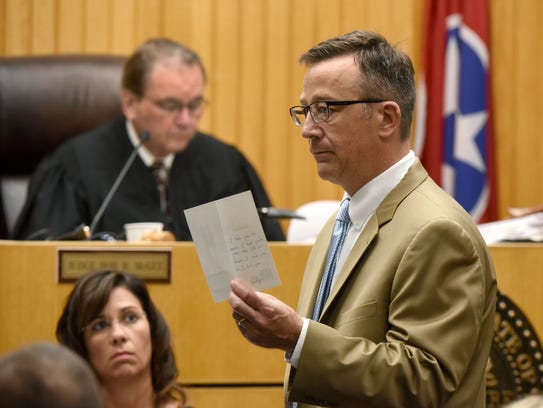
x=53, y=205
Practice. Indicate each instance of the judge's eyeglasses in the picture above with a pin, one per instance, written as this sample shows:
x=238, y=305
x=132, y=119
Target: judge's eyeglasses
x=174, y=107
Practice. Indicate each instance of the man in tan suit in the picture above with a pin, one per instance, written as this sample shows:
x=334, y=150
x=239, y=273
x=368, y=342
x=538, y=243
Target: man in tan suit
x=407, y=320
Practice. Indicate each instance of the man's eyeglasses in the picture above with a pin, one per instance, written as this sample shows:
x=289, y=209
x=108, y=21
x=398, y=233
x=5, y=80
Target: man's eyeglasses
x=173, y=106
x=320, y=111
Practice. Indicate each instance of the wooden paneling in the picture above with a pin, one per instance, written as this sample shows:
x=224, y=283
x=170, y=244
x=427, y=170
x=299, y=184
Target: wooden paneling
x=43, y=29
x=224, y=369
x=31, y=301
x=251, y=48
x=519, y=276
x=17, y=26
x=236, y=397
x=517, y=51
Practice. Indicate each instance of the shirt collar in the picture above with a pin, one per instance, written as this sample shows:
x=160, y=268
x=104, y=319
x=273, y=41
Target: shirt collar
x=144, y=153
x=366, y=200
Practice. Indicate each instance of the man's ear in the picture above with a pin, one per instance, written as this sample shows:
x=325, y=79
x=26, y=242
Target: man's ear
x=128, y=102
x=390, y=120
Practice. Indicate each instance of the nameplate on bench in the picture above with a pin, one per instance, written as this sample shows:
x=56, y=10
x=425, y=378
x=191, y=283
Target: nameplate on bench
x=149, y=264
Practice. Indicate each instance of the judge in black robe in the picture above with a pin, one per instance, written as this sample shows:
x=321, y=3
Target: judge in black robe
x=70, y=185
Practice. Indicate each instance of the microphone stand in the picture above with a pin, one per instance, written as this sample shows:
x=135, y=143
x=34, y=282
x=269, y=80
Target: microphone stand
x=144, y=136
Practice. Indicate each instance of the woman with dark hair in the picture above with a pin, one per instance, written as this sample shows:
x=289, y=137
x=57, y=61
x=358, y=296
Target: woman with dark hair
x=110, y=320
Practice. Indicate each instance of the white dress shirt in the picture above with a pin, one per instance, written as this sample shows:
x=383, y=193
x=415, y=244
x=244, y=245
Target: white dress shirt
x=144, y=153
x=363, y=204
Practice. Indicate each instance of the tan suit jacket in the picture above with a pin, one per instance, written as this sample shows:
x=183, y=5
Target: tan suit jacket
x=409, y=321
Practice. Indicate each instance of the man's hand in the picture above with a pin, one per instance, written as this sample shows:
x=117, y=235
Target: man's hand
x=263, y=319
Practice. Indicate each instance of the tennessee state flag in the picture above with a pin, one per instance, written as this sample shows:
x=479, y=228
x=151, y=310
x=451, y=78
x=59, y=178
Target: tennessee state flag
x=453, y=134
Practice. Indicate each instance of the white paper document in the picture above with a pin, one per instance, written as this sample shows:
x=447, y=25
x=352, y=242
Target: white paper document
x=230, y=242
x=528, y=228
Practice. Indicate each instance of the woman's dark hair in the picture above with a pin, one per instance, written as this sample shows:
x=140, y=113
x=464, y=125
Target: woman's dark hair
x=87, y=300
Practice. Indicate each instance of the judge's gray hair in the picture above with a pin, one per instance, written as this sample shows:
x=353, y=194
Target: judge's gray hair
x=141, y=62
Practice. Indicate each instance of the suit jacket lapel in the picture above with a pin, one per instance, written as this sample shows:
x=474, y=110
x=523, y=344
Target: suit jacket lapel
x=383, y=214
x=360, y=247
x=314, y=269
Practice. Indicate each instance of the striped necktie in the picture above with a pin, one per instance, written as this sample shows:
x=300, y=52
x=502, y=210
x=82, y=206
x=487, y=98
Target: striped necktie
x=338, y=237
x=161, y=177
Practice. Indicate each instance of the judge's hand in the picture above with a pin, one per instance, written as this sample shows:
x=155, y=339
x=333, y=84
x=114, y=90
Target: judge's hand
x=263, y=319
x=158, y=236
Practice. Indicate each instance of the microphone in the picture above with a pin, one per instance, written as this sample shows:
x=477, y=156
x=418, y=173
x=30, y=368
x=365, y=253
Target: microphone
x=84, y=232
x=79, y=233
x=113, y=189
x=278, y=213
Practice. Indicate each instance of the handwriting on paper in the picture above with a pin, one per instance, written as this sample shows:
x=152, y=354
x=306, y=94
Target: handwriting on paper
x=230, y=242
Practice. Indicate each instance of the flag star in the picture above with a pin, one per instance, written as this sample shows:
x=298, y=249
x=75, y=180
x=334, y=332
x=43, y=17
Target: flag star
x=465, y=147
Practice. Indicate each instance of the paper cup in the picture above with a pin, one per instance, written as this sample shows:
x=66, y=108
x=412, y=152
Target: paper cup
x=135, y=230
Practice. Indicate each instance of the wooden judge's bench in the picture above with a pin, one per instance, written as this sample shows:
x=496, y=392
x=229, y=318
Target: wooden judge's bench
x=220, y=366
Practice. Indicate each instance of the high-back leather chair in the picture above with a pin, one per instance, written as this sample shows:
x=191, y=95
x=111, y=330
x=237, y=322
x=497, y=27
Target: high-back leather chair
x=45, y=100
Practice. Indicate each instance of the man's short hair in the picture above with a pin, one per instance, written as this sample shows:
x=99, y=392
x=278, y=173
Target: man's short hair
x=47, y=375
x=386, y=72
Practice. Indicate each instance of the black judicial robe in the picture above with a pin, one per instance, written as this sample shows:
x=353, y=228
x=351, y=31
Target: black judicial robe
x=69, y=186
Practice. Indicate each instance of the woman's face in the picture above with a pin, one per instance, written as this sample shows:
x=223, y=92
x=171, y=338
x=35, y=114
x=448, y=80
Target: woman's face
x=118, y=341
